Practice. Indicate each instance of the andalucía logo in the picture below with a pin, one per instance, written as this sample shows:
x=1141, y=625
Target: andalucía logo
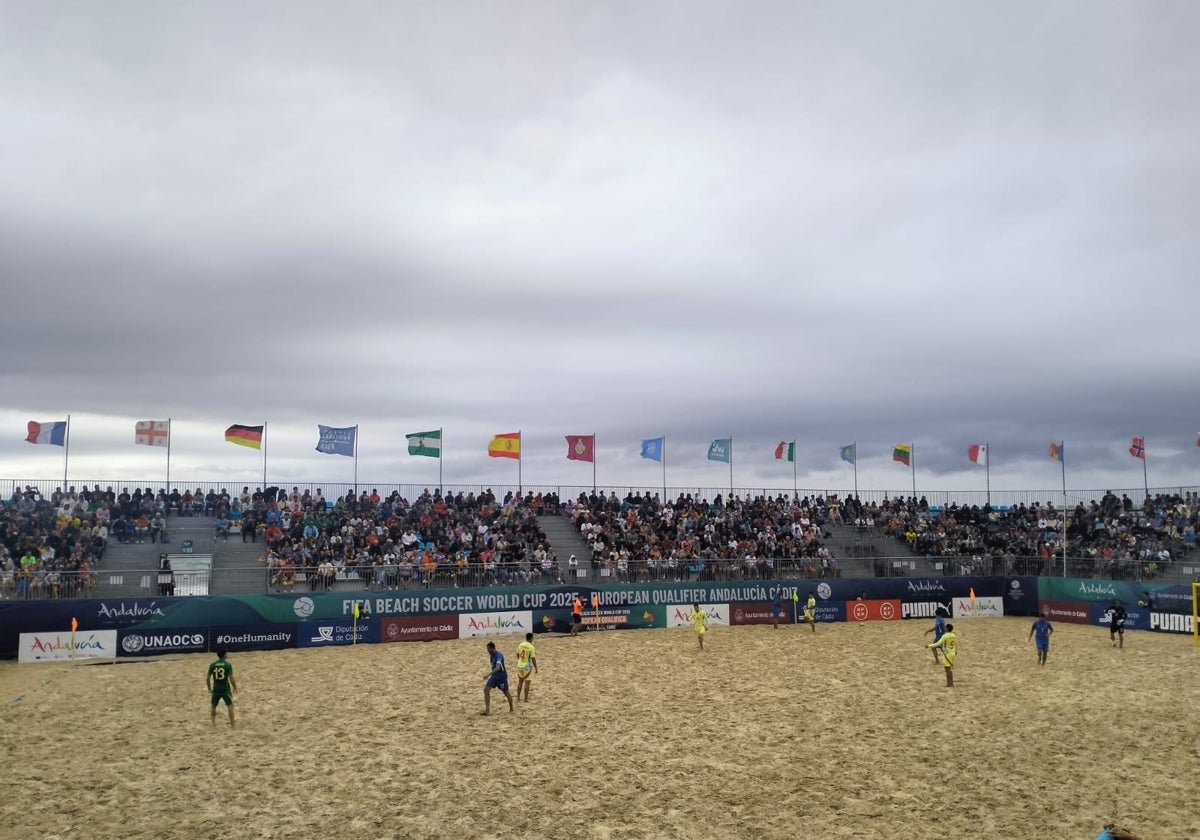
x=497, y=624
x=925, y=586
x=90, y=643
x=134, y=611
x=1106, y=589
x=710, y=612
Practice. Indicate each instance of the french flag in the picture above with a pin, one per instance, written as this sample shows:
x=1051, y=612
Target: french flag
x=54, y=433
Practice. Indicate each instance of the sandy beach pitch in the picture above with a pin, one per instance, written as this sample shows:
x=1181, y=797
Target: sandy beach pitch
x=637, y=734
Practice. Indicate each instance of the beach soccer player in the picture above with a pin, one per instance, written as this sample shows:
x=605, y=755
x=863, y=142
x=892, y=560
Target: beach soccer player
x=526, y=666
x=938, y=629
x=810, y=611
x=576, y=616
x=947, y=646
x=497, y=677
x=777, y=607
x=1116, y=623
x=1042, y=630
x=699, y=623
x=221, y=685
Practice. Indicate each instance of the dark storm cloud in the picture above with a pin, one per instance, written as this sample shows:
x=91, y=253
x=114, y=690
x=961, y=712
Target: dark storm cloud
x=945, y=225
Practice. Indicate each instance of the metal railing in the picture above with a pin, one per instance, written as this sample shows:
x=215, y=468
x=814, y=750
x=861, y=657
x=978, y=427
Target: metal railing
x=261, y=578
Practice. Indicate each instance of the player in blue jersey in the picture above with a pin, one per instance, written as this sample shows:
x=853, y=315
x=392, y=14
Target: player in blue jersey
x=938, y=630
x=776, y=607
x=1042, y=630
x=496, y=678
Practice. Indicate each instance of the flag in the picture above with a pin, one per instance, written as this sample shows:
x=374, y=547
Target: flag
x=581, y=448
x=718, y=450
x=506, y=446
x=74, y=624
x=334, y=441
x=653, y=449
x=785, y=451
x=1056, y=451
x=1138, y=450
x=428, y=444
x=357, y=612
x=152, y=432
x=849, y=452
x=245, y=435
x=54, y=433
x=903, y=454
x=978, y=453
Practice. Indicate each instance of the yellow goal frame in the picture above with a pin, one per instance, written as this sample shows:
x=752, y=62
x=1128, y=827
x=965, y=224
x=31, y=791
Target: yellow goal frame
x=1195, y=617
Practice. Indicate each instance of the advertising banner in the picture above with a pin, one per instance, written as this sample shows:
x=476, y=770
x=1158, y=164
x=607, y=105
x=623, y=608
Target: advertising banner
x=889, y=610
x=253, y=637
x=58, y=646
x=609, y=618
x=336, y=632
x=1021, y=596
x=978, y=608
x=154, y=642
x=418, y=628
x=495, y=623
x=1171, y=623
x=1072, y=613
x=678, y=615
x=926, y=609
x=759, y=613
x=1136, y=618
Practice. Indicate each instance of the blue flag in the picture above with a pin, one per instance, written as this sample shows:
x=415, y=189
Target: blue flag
x=337, y=441
x=849, y=452
x=653, y=449
x=719, y=449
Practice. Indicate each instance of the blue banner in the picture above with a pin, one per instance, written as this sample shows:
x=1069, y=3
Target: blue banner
x=333, y=441
x=1136, y=618
x=155, y=642
x=336, y=632
x=253, y=637
x=1021, y=596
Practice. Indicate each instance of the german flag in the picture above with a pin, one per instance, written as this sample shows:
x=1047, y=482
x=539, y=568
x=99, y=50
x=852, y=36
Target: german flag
x=245, y=435
x=506, y=446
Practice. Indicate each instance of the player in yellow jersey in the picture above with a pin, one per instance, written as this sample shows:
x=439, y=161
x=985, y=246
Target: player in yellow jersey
x=699, y=623
x=947, y=646
x=526, y=666
x=810, y=612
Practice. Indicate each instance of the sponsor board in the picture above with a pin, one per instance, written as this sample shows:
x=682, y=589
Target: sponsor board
x=678, y=615
x=126, y=612
x=609, y=618
x=495, y=623
x=254, y=637
x=154, y=642
x=418, y=628
x=978, y=608
x=759, y=613
x=924, y=609
x=1171, y=623
x=1079, y=613
x=1136, y=618
x=58, y=646
x=889, y=610
x=1021, y=596
x=336, y=631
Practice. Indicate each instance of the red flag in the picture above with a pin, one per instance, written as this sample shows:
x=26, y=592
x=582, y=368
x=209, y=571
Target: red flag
x=977, y=452
x=1138, y=450
x=581, y=448
x=74, y=624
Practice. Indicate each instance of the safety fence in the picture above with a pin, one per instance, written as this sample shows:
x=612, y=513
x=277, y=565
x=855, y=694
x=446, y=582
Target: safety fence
x=567, y=492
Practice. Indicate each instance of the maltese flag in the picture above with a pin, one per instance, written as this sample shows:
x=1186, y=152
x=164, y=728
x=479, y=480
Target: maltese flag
x=978, y=453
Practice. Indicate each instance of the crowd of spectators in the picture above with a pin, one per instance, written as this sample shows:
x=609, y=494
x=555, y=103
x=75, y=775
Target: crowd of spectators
x=641, y=537
x=52, y=547
x=1111, y=538
x=462, y=539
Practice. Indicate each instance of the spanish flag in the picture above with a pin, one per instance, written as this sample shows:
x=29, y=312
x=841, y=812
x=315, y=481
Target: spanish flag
x=245, y=436
x=506, y=446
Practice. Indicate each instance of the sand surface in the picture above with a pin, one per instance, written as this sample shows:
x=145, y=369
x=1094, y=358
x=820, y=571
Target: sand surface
x=846, y=733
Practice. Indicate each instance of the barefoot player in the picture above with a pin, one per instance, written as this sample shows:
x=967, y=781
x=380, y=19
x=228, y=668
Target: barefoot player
x=699, y=623
x=948, y=647
x=221, y=685
x=1042, y=630
x=526, y=666
x=496, y=678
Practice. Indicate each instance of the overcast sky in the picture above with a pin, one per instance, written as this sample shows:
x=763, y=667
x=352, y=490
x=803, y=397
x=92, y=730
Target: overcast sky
x=928, y=223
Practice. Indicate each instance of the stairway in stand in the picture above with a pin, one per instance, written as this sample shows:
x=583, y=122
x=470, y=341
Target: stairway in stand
x=564, y=541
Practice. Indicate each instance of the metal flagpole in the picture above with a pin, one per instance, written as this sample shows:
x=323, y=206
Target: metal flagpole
x=987, y=470
x=795, y=485
x=441, y=446
x=664, y=463
x=731, y=466
x=66, y=451
x=593, y=463
x=520, y=459
x=855, y=451
x=355, y=459
x=1145, y=474
x=264, y=453
x=168, y=454
x=1062, y=460
x=912, y=463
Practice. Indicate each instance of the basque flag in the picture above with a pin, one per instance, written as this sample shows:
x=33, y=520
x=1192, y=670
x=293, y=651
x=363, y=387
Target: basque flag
x=54, y=433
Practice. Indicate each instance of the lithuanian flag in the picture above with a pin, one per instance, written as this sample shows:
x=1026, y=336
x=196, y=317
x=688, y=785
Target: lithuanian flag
x=245, y=435
x=506, y=446
x=903, y=454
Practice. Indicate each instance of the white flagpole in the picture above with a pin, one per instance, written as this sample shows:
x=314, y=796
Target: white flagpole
x=168, y=454
x=66, y=451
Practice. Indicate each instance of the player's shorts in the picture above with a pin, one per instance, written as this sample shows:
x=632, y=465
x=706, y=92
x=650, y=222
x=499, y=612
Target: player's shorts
x=700, y=630
x=524, y=674
x=499, y=681
x=776, y=612
x=576, y=618
x=1042, y=645
x=809, y=616
x=218, y=696
x=947, y=658
x=1118, y=627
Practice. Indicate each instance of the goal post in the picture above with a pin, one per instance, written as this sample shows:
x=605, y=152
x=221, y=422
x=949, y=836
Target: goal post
x=1195, y=616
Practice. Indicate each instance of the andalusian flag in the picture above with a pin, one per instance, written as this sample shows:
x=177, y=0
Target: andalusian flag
x=506, y=446
x=428, y=444
x=903, y=454
x=245, y=436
